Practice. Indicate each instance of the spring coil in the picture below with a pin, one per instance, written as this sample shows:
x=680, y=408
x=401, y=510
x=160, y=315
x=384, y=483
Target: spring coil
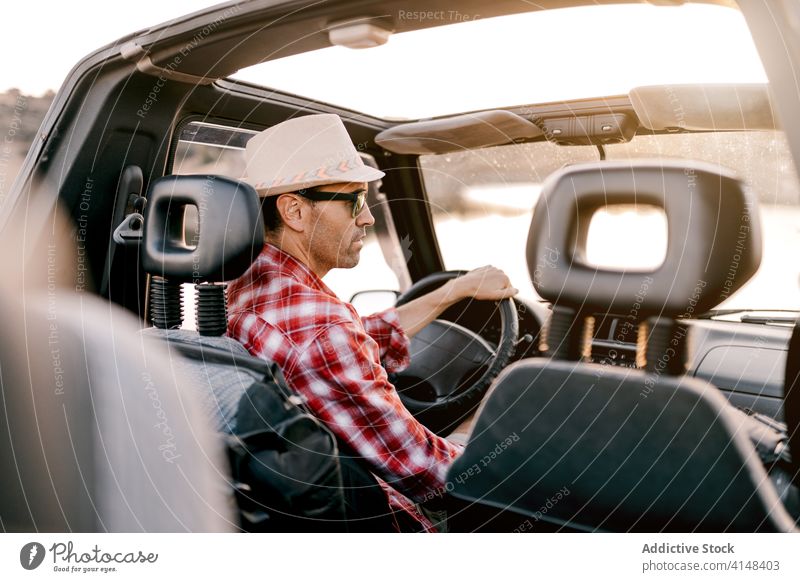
x=212, y=315
x=567, y=335
x=165, y=303
x=667, y=349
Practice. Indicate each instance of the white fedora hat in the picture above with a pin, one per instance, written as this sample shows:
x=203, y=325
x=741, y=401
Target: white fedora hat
x=304, y=152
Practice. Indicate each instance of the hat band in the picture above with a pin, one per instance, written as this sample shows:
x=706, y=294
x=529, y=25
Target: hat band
x=330, y=172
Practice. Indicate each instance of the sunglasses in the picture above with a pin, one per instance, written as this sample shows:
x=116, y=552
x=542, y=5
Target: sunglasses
x=358, y=198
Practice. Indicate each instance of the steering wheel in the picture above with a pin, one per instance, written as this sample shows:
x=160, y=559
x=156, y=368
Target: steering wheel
x=451, y=366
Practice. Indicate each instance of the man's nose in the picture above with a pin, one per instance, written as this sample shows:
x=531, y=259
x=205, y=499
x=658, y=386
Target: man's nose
x=365, y=217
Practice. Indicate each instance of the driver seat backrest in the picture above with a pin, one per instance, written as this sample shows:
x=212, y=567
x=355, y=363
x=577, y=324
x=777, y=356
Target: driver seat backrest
x=220, y=249
x=288, y=470
x=568, y=444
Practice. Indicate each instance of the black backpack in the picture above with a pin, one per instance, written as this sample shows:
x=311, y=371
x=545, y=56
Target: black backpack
x=289, y=471
x=284, y=462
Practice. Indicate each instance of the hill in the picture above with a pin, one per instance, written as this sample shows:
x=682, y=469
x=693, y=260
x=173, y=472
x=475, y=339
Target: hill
x=20, y=119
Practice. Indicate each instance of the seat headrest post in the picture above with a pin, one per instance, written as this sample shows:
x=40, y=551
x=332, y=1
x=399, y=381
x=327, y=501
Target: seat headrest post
x=567, y=335
x=166, y=311
x=211, y=309
x=667, y=347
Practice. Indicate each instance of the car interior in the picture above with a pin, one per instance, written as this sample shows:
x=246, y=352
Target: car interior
x=646, y=386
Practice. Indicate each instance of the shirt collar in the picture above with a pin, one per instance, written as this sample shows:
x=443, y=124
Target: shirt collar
x=287, y=265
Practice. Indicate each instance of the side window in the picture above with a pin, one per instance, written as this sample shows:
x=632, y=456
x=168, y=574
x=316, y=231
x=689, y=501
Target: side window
x=216, y=149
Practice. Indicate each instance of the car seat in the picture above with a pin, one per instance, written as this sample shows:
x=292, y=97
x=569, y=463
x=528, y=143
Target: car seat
x=288, y=468
x=565, y=444
x=98, y=433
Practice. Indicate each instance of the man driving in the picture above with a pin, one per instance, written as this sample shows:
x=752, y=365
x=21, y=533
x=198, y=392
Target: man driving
x=314, y=185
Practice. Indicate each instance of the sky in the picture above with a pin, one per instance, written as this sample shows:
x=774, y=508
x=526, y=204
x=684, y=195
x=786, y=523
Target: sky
x=683, y=44
x=39, y=50
x=41, y=40
x=526, y=58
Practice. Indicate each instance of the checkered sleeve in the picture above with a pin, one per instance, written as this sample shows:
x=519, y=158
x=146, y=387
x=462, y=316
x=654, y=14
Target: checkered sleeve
x=384, y=328
x=347, y=388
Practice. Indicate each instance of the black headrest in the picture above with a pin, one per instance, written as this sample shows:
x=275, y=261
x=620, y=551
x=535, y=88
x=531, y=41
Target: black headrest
x=230, y=230
x=713, y=231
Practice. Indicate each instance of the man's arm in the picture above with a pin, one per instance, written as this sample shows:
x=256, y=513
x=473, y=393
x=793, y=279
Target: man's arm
x=484, y=283
x=344, y=386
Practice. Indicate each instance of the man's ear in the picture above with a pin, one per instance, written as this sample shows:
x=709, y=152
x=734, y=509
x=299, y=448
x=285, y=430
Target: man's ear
x=292, y=212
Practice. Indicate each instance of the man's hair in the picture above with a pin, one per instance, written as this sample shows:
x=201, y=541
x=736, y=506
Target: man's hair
x=272, y=218
x=269, y=210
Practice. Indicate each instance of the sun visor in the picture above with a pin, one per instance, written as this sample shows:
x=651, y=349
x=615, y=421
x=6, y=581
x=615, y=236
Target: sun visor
x=474, y=130
x=704, y=107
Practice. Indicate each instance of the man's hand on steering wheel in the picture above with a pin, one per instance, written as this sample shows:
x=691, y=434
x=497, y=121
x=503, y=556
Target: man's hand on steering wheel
x=485, y=283
x=451, y=366
x=421, y=308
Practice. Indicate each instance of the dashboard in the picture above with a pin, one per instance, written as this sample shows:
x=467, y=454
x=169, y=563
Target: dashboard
x=746, y=361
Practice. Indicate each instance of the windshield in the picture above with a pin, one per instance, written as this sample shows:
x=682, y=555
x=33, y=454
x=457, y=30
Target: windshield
x=536, y=57
x=493, y=192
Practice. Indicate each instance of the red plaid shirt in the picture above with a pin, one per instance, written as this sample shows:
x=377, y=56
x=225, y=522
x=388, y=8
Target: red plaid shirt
x=280, y=310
